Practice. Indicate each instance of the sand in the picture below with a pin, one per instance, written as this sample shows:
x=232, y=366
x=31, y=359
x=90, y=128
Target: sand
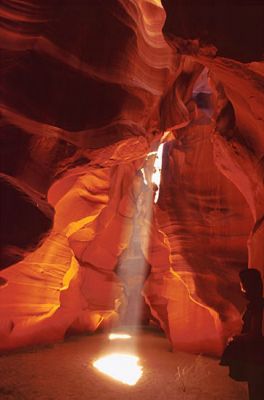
x=64, y=371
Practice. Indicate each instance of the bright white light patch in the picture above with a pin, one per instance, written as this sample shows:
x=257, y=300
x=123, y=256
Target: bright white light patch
x=114, y=336
x=157, y=166
x=122, y=367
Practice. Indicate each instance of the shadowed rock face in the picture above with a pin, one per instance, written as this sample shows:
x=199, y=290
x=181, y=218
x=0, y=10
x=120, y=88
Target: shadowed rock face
x=235, y=30
x=88, y=90
x=20, y=206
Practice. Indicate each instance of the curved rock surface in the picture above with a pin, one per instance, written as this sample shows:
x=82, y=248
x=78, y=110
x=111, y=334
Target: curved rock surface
x=88, y=91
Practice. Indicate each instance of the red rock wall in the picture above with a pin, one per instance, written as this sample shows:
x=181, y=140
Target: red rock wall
x=88, y=91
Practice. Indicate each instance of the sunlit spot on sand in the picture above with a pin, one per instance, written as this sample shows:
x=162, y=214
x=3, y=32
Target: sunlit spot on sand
x=121, y=367
x=122, y=336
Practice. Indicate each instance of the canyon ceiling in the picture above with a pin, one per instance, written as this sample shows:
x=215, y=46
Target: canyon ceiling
x=89, y=91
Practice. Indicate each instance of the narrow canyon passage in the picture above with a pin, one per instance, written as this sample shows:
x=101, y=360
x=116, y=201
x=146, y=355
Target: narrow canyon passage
x=132, y=194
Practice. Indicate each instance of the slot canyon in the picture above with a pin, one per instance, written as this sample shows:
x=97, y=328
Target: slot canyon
x=132, y=173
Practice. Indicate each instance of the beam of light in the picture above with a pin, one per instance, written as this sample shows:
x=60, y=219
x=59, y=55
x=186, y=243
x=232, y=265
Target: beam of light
x=122, y=336
x=121, y=367
x=156, y=176
x=144, y=176
x=134, y=268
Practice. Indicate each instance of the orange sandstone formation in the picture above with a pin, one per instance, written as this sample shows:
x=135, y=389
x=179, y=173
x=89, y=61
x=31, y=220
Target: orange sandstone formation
x=89, y=90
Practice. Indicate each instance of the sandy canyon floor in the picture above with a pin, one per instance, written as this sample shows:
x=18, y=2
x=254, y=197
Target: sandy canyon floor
x=64, y=371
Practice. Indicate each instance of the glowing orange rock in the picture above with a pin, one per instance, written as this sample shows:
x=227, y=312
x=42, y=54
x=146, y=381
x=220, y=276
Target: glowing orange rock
x=86, y=108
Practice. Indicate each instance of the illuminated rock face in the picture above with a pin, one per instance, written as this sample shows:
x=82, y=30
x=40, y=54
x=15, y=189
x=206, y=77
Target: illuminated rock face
x=88, y=92
x=206, y=219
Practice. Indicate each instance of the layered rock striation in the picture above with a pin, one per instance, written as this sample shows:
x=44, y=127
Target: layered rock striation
x=88, y=90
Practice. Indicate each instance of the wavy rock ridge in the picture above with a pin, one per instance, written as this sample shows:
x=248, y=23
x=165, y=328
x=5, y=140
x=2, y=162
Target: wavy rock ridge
x=88, y=92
